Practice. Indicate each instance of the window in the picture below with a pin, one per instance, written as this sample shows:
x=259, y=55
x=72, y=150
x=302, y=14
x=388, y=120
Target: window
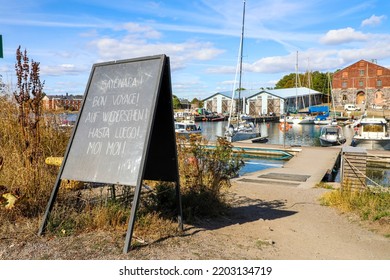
x=344, y=84
x=361, y=83
x=379, y=72
x=345, y=97
x=379, y=83
x=345, y=74
x=361, y=72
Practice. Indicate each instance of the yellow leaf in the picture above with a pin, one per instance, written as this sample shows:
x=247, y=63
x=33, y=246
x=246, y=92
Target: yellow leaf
x=11, y=199
x=57, y=161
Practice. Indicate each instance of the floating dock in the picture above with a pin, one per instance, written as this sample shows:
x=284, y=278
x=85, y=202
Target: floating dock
x=304, y=170
x=307, y=167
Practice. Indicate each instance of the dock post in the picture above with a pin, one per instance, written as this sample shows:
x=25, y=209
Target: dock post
x=353, y=167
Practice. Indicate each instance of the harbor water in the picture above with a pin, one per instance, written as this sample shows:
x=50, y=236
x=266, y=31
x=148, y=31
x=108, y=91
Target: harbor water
x=297, y=135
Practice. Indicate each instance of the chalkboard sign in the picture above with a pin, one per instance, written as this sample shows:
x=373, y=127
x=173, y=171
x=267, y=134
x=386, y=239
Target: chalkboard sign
x=125, y=130
x=114, y=123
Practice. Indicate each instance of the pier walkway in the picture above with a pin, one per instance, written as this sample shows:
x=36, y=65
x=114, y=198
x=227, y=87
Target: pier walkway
x=307, y=168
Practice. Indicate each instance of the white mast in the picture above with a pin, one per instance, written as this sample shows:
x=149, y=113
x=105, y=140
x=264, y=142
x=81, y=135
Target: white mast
x=238, y=71
x=240, y=108
x=296, y=84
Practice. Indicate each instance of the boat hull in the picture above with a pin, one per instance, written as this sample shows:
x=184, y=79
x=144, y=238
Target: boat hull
x=372, y=144
x=241, y=136
x=331, y=142
x=331, y=135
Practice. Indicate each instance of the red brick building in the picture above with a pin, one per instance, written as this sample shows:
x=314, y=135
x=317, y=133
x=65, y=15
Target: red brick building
x=62, y=102
x=363, y=83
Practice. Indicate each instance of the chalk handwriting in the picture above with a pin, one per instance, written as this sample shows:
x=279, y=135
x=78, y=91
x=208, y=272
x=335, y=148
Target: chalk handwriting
x=94, y=148
x=127, y=132
x=115, y=148
x=125, y=115
x=126, y=99
x=125, y=82
x=99, y=132
x=98, y=101
x=91, y=117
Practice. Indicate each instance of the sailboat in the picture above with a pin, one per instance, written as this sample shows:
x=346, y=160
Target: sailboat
x=331, y=134
x=298, y=118
x=244, y=129
x=326, y=119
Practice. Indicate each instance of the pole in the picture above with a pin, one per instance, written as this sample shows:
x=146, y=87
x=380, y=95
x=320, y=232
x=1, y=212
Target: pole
x=241, y=55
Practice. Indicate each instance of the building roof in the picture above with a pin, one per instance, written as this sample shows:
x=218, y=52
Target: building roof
x=63, y=97
x=280, y=93
x=228, y=94
x=292, y=92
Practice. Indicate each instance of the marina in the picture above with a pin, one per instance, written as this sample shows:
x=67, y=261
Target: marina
x=299, y=148
x=297, y=158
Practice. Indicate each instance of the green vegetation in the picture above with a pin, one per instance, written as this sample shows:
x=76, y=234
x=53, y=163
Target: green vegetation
x=318, y=81
x=205, y=173
x=369, y=205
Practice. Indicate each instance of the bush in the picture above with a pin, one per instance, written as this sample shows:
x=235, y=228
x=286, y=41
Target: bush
x=369, y=205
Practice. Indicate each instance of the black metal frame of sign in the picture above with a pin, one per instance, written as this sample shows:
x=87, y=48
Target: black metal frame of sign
x=125, y=132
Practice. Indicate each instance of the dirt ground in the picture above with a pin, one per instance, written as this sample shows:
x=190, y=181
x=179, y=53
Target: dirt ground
x=265, y=222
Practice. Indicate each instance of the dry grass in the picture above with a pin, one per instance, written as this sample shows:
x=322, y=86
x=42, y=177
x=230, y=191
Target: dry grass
x=92, y=207
x=372, y=207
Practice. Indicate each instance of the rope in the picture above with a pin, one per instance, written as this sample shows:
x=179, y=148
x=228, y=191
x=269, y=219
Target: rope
x=382, y=188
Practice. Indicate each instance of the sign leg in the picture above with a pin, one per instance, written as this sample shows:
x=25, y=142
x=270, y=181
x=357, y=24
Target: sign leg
x=49, y=206
x=133, y=213
x=179, y=206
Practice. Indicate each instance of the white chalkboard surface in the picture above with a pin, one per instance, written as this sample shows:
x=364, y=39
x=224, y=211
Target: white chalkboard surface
x=113, y=128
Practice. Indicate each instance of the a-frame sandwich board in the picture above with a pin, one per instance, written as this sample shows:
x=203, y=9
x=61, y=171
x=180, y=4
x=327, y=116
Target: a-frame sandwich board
x=125, y=132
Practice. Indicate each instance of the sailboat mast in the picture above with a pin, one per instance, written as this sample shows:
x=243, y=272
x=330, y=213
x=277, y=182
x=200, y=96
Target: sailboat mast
x=241, y=55
x=296, y=83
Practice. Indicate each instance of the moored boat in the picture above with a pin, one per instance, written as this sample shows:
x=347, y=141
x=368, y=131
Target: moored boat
x=372, y=133
x=185, y=128
x=244, y=129
x=331, y=135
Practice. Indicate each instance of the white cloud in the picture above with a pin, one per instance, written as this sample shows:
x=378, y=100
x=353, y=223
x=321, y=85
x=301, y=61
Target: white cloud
x=141, y=40
x=63, y=69
x=142, y=30
x=341, y=36
x=373, y=21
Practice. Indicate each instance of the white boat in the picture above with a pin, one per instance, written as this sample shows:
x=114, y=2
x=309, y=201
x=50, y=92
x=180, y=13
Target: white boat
x=244, y=129
x=303, y=120
x=327, y=121
x=289, y=119
x=372, y=134
x=186, y=128
x=331, y=135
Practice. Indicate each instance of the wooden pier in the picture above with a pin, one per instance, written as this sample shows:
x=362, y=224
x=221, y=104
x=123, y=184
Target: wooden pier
x=305, y=169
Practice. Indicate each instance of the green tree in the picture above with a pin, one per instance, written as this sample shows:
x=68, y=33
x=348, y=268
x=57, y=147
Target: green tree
x=176, y=102
x=318, y=81
x=288, y=81
x=197, y=102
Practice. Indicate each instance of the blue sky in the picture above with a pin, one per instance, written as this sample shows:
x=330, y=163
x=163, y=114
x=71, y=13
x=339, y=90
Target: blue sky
x=201, y=38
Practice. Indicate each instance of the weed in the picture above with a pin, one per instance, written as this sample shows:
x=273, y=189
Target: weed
x=367, y=204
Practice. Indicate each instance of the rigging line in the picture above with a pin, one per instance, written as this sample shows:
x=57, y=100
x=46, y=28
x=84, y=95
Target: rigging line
x=238, y=70
x=241, y=55
x=364, y=175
